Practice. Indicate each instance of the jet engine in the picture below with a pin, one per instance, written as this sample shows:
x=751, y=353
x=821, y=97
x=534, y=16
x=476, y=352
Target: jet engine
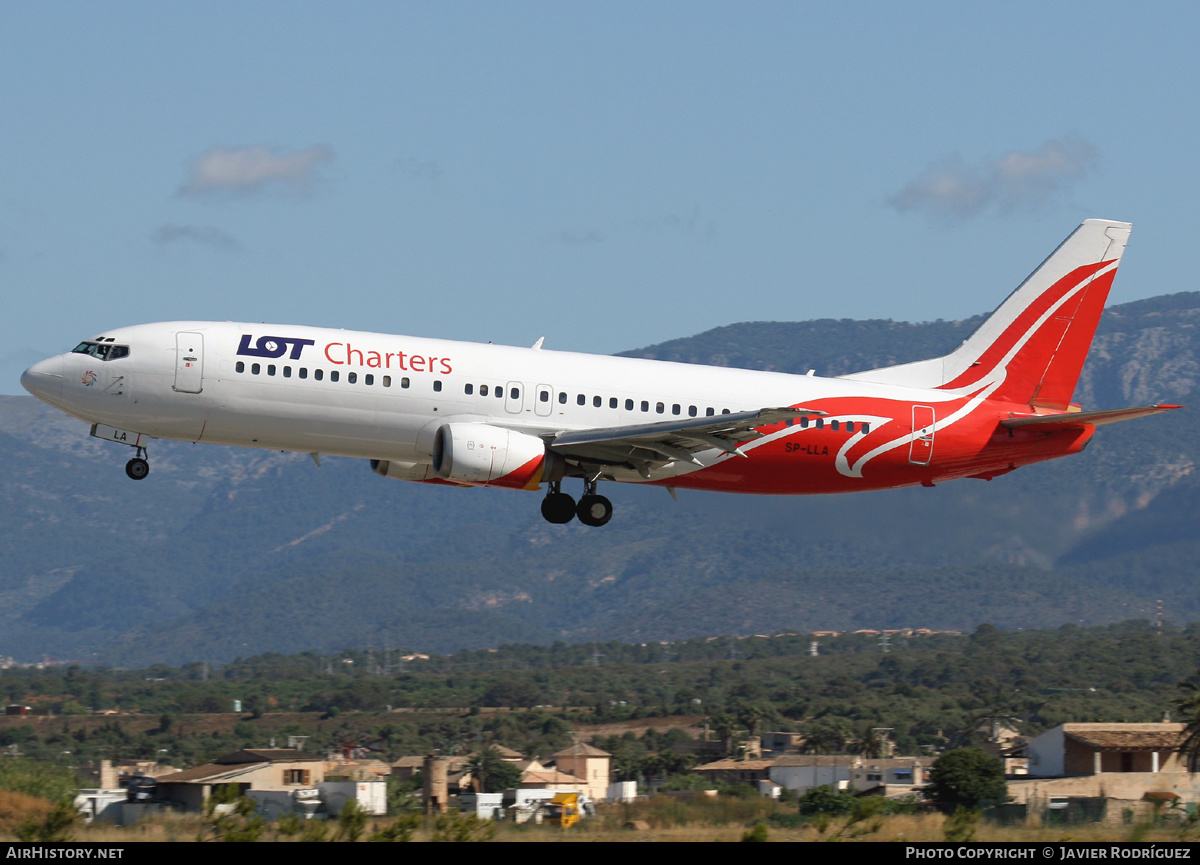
x=484, y=455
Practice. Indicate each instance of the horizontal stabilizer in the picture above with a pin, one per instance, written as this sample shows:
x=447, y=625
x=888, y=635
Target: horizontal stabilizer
x=1079, y=419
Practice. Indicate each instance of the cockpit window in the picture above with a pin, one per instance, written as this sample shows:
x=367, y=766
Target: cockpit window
x=101, y=351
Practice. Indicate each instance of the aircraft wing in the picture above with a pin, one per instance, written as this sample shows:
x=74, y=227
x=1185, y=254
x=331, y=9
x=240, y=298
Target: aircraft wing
x=640, y=446
x=1074, y=420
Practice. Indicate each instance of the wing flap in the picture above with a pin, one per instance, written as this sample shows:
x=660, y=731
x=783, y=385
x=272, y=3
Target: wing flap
x=672, y=441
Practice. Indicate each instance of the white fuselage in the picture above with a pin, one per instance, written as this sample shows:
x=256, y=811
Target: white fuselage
x=383, y=397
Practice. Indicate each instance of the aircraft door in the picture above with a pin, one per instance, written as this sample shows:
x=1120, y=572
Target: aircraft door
x=543, y=400
x=189, y=362
x=513, y=399
x=920, y=451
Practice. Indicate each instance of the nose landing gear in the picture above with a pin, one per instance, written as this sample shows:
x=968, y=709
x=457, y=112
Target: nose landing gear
x=137, y=468
x=592, y=510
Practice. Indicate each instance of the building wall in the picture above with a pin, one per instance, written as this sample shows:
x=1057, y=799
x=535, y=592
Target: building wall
x=802, y=778
x=1125, y=786
x=593, y=770
x=1046, y=754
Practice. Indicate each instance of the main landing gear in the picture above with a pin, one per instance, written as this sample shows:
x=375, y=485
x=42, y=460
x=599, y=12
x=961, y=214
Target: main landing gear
x=592, y=510
x=137, y=468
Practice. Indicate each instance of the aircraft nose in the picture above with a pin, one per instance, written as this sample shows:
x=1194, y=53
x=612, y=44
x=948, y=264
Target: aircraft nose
x=44, y=379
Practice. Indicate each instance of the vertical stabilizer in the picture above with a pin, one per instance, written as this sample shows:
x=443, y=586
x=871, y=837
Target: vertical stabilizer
x=1032, y=348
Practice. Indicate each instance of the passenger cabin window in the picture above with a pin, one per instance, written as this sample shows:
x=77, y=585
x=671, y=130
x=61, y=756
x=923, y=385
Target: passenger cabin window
x=387, y=381
x=437, y=385
x=303, y=372
x=544, y=396
x=660, y=407
x=612, y=402
x=318, y=374
x=352, y=377
x=334, y=375
x=404, y=382
x=562, y=398
x=628, y=405
x=255, y=368
x=580, y=399
x=287, y=372
x=597, y=402
x=469, y=388
x=483, y=390
x=241, y=366
x=368, y=379
x=645, y=405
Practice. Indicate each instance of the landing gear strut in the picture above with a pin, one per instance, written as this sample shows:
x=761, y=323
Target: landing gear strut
x=592, y=510
x=137, y=468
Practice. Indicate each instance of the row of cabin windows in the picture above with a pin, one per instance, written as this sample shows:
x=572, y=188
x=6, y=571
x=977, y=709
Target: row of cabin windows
x=837, y=426
x=613, y=402
x=597, y=401
x=497, y=391
x=319, y=375
x=544, y=396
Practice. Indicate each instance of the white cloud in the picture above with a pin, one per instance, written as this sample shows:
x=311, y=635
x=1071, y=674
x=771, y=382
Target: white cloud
x=951, y=189
x=252, y=169
x=205, y=234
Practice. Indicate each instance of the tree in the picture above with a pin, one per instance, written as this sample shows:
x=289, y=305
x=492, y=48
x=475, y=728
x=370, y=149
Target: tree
x=491, y=772
x=352, y=821
x=966, y=778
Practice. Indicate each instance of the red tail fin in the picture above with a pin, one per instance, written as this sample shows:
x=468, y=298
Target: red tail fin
x=1032, y=348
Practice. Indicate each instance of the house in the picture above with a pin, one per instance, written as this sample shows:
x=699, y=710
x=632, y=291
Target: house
x=782, y=742
x=251, y=769
x=733, y=772
x=803, y=772
x=1094, y=749
x=589, y=764
x=1107, y=772
x=893, y=776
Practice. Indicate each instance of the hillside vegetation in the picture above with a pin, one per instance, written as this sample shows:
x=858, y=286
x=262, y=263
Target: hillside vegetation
x=224, y=552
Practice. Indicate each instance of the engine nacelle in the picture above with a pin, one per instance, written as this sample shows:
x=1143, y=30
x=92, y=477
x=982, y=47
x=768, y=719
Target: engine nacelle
x=490, y=456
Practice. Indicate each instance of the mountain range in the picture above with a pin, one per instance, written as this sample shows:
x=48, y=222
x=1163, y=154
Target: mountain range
x=226, y=552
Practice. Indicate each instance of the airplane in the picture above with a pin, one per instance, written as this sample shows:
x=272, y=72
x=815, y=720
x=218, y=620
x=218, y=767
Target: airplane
x=466, y=414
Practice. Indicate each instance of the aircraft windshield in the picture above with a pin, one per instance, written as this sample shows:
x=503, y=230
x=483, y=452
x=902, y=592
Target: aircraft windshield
x=101, y=351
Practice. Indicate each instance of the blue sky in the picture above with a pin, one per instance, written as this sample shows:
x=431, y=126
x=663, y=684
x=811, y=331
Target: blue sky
x=607, y=175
